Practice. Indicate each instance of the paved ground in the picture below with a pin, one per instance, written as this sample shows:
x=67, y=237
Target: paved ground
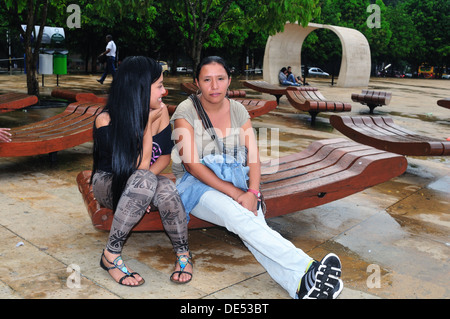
x=393, y=239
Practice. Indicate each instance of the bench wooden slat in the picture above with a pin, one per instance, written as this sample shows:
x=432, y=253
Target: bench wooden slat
x=70, y=124
x=372, y=98
x=324, y=158
x=276, y=90
x=318, y=156
x=384, y=134
x=264, y=87
x=69, y=109
x=61, y=122
x=77, y=96
x=256, y=108
x=311, y=100
x=14, y=101
x=361, y=174
x=308, y=171
x=327, y=170
x=70, y=128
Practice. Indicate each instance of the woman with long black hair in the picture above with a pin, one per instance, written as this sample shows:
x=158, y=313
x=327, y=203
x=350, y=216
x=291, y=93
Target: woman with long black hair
x=132, y=145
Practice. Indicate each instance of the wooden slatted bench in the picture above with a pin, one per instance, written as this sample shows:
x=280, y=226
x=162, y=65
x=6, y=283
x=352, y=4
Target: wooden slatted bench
x=326, y=171
x=264, y=87
x=382, y=133
x=309, y=99
x=70, y=128
x=76, y=96
x=192, y=88
x=444, y=103
x=14, y=101
x=372, y=98
x=257, y=107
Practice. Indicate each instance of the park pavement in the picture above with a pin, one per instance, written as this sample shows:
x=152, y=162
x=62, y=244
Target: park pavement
x=393, y=238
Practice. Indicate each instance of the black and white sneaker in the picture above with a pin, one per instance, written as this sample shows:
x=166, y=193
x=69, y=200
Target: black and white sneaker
x=322, y=279
x=337, y=290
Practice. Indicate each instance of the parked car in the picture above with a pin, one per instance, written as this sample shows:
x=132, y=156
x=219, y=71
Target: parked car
x=317, y=72
x=165, y=67
x=446, y=76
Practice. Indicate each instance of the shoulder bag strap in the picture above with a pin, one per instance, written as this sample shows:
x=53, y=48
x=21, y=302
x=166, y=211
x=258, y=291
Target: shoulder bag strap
x=203, y=116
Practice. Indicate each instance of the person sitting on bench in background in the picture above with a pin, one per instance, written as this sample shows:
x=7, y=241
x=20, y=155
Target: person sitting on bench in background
x=298, y=79
x=286, y=79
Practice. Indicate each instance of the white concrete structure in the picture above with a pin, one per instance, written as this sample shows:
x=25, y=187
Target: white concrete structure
x=285, y=48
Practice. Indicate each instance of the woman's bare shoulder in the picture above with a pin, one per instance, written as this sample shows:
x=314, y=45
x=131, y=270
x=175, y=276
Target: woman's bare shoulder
x=102, y=119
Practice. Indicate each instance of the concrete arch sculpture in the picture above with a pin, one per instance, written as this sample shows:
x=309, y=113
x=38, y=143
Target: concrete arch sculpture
x=284, y=48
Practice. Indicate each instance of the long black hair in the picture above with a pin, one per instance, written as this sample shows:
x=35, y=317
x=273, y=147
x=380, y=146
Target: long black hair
x=128, y=107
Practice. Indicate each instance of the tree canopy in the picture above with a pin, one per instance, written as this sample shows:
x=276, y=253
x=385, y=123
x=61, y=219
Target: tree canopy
x=411, y=32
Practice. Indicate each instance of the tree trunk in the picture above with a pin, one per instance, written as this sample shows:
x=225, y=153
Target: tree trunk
x=32, y=81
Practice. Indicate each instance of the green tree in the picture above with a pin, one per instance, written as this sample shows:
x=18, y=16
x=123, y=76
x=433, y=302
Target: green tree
x=30, y=13
x=406, y=41
x=431, y=19
x=323, y=45
x=99, y=14
x=131, y=27
x=200, y=22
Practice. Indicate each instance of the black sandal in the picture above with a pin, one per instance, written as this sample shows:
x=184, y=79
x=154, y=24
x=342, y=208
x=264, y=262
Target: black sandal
x=183, y=260
x=119, y=264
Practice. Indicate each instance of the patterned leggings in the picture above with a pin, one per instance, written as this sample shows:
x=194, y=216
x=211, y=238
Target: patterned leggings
x=142, y=189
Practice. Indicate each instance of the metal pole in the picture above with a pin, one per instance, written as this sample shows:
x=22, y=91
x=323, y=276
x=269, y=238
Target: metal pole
x=9, y=51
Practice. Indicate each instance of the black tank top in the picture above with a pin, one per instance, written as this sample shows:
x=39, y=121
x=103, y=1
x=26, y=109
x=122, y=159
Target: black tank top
x=162, y=145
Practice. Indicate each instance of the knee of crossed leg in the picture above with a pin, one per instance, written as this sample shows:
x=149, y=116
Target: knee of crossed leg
x=141, y=184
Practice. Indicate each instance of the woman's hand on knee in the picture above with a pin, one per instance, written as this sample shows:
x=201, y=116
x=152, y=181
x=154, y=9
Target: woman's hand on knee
x=249, y=201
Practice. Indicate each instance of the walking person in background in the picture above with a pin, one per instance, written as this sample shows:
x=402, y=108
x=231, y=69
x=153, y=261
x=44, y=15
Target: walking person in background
x=110, y=54
x=132, y=145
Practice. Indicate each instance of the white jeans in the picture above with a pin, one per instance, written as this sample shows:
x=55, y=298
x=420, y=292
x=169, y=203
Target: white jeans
x=284, y=262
